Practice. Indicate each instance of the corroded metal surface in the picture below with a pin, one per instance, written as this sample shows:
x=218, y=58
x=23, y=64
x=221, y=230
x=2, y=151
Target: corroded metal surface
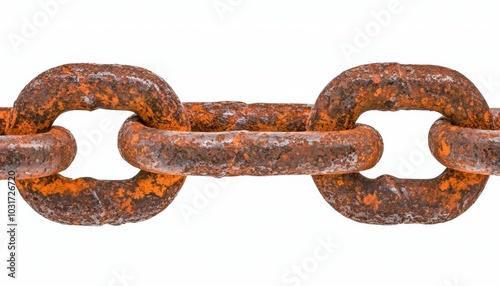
x=231, y=116
x=91, y=87
x=391, y=87
x=36, y=155
x=169, y=140
x=466, y=149
x=235, y=153
x=4, y=116
x=390, y=200
x=86, y=201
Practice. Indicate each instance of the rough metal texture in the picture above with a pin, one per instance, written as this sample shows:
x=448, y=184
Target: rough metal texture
x=391, y=87
x=91, y=87
x=466, y=149
x=235, y=153
x=86, y=201
x=231, y=116
x=4, y=117
x=234, y=138
x=36, y=155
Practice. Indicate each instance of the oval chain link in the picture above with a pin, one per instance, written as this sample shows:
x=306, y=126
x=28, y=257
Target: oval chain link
x=86, y=201
x=392, y=87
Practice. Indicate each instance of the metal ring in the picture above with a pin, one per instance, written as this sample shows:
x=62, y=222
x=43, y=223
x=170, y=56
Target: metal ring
x=86, y=201
x=391, y=87
x=236, y=153
x=466, y=149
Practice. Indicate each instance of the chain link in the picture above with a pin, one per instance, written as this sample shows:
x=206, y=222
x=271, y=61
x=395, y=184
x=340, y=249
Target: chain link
x=86, y=201
x=391, y=87
x=168, y=140
x=256, y=153
x=466, y=149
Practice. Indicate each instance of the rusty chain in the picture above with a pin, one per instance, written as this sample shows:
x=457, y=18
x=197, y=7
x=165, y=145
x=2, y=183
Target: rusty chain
x=168, y=140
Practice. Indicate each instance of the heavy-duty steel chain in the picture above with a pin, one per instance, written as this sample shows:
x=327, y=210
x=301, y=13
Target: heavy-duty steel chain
x=169, y=140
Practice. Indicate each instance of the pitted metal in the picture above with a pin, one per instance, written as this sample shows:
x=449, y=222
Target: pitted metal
x=169, y=140
x=392, y=87
x=255, y=153
x=86, y=201
x=466, y=149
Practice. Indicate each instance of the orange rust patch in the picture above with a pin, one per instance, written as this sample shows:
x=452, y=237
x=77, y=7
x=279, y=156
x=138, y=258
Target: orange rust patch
x=160, y=187
x=127, y=205
x=445, y=149
x=371, y=200
x=63, y=186
x=457, y=184
x=444, y=185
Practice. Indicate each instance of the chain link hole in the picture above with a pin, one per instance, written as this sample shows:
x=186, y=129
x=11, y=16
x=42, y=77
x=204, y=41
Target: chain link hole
x=96, y=135
x=406, y=149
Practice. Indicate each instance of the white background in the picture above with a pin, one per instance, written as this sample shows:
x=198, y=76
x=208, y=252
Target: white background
x=253, y=230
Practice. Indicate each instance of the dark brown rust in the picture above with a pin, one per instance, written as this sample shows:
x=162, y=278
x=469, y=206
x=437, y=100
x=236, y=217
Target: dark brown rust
x=391, y=87
x=232, y=116
x=235, y=153
x=390, y=200
x=86, y=201
x=466, y=149
x=91, y=87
